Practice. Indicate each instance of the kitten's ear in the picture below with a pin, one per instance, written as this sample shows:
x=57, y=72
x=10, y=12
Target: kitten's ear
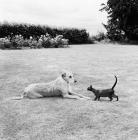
x=91, y=86
x=64, y=75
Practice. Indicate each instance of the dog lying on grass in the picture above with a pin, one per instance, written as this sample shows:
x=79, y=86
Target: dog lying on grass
x=104, y=93
x=59, y=87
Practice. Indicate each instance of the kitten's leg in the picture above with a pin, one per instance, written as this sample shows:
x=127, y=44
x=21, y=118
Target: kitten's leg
x=95, y=98
x=115, y=96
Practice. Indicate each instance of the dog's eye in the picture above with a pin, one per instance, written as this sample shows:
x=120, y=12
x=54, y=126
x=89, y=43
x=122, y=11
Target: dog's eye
x=70, y=76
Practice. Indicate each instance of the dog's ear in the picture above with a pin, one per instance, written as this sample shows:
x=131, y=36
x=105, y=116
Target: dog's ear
x=91, y=86
x=64, y=75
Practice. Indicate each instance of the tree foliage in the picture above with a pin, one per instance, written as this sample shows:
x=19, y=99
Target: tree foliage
x=122, y=19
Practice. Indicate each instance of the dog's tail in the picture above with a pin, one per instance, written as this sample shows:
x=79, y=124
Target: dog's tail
x=16, y=98
x=114, y=83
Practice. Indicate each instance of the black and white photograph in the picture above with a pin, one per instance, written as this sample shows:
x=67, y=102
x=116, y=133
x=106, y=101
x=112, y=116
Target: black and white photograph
x=68, y=70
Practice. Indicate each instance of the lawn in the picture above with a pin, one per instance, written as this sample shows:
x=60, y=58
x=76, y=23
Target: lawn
x=69, y=119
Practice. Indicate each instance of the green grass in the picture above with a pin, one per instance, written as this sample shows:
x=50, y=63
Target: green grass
x=68, y=119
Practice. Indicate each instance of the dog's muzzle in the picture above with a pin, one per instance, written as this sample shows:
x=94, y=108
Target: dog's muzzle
x=75, y=81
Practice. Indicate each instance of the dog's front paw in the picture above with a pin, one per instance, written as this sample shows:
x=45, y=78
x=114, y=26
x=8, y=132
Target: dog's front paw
x=87, y=98
x=82, y=99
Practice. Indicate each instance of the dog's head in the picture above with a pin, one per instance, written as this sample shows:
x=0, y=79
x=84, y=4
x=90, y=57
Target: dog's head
x=68, y=77
x=90, y=88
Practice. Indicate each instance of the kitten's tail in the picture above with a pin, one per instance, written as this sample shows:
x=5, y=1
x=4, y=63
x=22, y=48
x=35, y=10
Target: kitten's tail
x=114, y=83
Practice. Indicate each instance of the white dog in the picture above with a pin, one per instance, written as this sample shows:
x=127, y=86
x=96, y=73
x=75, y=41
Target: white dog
x=59, y=87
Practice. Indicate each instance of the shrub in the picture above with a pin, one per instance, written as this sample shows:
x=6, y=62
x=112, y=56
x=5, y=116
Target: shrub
x=32, y=43
x=44, y=41
x=47, y=41
x=26, y=43
x=60, y=42
x=17, y=41
x=5, y=43
x=99, y=37
x=74, y=35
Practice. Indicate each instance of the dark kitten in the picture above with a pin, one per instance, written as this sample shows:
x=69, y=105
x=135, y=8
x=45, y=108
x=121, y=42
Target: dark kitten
x=104, y=93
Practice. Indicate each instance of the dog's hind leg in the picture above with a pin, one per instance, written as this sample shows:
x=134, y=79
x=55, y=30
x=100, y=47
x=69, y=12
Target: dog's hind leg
x=34, y=95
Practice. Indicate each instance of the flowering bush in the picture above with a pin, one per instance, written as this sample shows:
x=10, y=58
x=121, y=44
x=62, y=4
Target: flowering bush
x=5, y=43
x=17, y=41
x=59, y=42
x=32, y=42
x=74, y=35
x=44, y=41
